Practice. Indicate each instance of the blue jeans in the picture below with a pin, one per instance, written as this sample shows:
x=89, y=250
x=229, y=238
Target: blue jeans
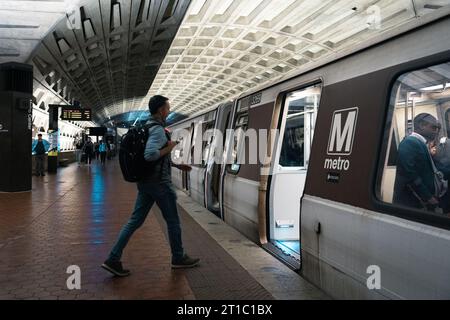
x=165, y=198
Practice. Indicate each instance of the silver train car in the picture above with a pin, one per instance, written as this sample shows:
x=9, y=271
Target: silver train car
x=321, y=196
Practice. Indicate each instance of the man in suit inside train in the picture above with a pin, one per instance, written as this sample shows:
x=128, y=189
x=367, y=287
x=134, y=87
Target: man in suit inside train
x=415, y=176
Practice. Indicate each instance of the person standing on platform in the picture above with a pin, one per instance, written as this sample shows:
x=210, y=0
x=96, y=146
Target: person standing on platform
x=88, y=150
x=103, y=149
x=78, y=151
x=112, y=149
x=157, y=187
x=97, y=150
x=39, y=149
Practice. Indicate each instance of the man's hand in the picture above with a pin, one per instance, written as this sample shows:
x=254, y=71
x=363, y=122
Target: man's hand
x=171, y=145
x=183, y=167
x=168, y=149
x=433, y=201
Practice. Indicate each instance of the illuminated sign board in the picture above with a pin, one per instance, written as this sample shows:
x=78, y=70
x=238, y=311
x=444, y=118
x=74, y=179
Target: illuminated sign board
x=76, y=114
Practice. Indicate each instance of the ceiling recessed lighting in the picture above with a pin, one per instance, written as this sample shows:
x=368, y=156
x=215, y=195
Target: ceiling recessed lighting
x=18, y=26
x=432, y=6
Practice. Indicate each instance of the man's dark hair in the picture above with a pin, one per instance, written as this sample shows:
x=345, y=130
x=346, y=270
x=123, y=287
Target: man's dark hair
x=423, y=118
x=39, y=135
x=156, y=102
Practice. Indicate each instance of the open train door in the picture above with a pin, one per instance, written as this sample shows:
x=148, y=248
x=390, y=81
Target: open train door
x=289, y=171
x=215, y=153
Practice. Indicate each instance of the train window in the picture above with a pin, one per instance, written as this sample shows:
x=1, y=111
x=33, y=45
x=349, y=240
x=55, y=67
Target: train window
x=199, y=133
x=182, y=136
x=299, y=127
x=206, y=143
x=238, y=139
x=416, y=167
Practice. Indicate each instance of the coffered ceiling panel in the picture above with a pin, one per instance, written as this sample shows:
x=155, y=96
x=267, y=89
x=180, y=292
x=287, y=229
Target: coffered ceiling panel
x=226, y=47
x=106, y=53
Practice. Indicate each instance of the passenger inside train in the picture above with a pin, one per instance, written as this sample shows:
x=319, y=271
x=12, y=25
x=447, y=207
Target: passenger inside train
x=416, y=172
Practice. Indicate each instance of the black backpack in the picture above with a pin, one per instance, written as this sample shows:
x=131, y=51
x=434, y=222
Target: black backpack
x=131, y=153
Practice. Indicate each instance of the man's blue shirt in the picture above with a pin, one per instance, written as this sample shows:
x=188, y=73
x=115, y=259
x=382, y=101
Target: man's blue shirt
x=156, y=140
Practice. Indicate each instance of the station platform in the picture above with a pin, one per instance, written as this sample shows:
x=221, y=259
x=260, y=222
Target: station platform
x=73, y=218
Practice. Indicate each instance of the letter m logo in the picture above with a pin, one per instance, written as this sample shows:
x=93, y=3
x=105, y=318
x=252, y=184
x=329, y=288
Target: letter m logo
x=342, y=132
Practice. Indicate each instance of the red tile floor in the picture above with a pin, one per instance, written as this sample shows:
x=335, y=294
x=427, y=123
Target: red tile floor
x=73, y=218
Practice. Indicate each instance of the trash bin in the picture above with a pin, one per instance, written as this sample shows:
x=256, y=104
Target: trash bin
x=52, y=162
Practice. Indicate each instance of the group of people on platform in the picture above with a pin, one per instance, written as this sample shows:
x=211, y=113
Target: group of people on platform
x=84, y=152
x=87, y=151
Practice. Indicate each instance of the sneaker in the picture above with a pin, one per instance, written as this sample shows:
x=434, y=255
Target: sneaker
x=115, y=267
x=185, y=262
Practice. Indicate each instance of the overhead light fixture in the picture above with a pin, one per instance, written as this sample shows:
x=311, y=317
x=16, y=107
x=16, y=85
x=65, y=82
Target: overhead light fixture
x=9, y=52
x=18, y=26
x=437, y=87
x=432, y=6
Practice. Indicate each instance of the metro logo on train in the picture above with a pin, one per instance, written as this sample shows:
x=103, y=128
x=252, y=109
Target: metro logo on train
x=341, y=138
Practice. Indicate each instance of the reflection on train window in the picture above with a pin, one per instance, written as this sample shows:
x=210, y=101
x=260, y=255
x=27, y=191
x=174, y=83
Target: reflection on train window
x=238, y=140
x=417, y=165
x=178, y=152
x=299, y=128
x=206, y=146
x=182, y=136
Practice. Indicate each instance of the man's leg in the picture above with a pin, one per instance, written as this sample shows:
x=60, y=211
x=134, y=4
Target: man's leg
x=144, y=202
x=143, y=205
x=36, y=165
x=166, y=200
x=39, y=164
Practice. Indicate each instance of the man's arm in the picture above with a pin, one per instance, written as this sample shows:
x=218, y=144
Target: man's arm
x=409, y=155
x=182, y=167
x=154, y=148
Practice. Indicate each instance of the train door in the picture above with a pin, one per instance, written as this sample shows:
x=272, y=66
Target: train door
x=214, y=156
x=185, y=174
x=199, y=151
x=290, y=168
x=181, y=154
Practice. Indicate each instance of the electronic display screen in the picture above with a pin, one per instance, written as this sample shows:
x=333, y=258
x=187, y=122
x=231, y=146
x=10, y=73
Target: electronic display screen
x=76, y=114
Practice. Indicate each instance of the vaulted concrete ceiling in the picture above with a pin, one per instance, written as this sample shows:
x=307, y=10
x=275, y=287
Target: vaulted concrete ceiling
x=103, y=53
x=23, y=24
x=226, y=47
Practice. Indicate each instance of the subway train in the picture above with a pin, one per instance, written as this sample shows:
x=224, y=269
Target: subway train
x=320, y=195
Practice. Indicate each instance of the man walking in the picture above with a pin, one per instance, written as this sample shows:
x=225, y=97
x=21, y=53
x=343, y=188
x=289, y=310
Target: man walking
x=155, y=187
x=39, y=148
